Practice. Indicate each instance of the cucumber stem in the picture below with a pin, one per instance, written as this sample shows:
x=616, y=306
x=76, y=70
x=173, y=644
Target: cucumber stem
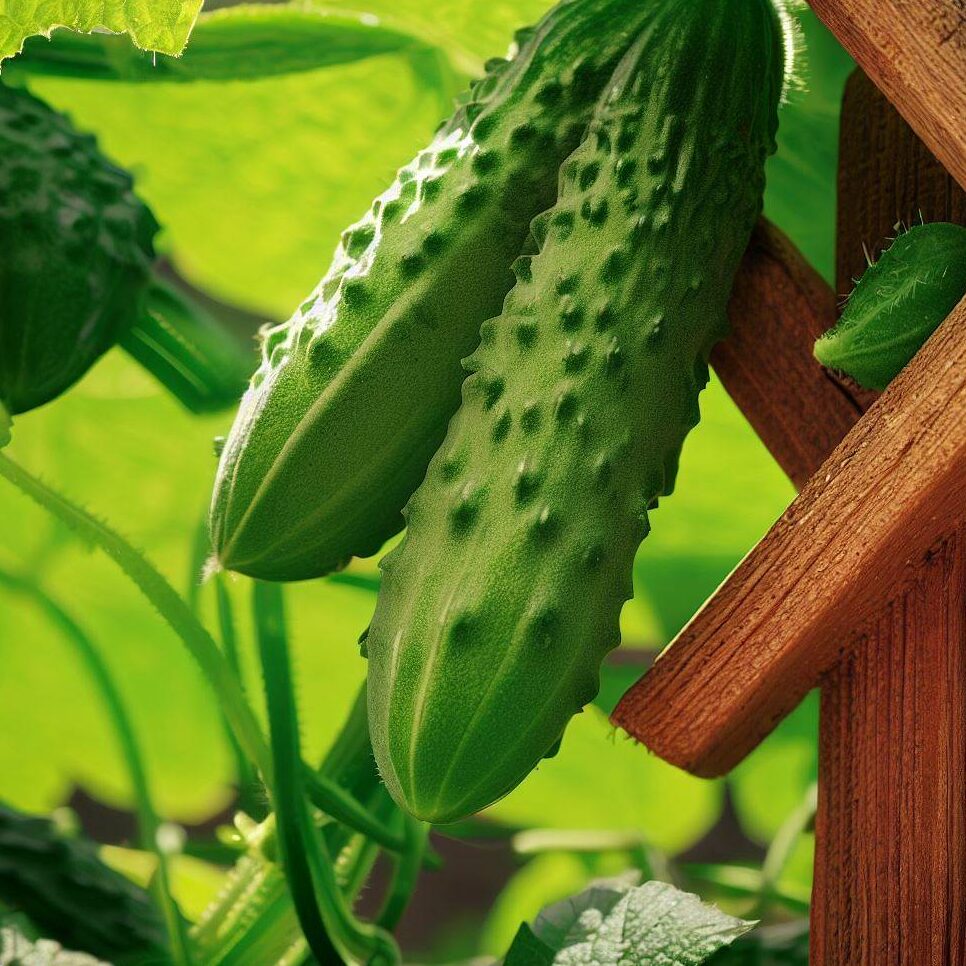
x=406, y=873
x=328, y=924
x=165, y=599
x=188, y=351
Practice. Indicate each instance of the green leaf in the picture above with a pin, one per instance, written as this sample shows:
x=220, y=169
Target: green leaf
x=238, y=43
x=161, y=25
x=601, y=779
x=780, y=945
x=801, y=175
x=897, y=304
x=125, y=449
x=771, y=782
x=527, y=950
x=546, y=878
x=729, y=491
x=254, y=181
x=618, y=922
x=17, y=950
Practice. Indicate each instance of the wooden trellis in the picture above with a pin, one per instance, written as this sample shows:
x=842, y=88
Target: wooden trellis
x=860, y=587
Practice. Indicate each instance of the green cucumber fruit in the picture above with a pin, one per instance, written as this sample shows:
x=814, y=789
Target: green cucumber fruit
x=897, y=304
x=65, y=890
x=504, y=596
x=76, y=248
x=354, y=392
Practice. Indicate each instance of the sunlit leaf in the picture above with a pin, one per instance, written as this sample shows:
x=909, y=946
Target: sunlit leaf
x=601, y=779
x=161, y=25
x=771, y=782
x=239, y=43
x=618, y=922
x=254, y=181
x=118, y=444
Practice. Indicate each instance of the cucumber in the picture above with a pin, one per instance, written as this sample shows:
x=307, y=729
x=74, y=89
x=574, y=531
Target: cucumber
x=354, y=392
x=65, y=890
x=76, y=249
x=897, y=304
x=504, y=595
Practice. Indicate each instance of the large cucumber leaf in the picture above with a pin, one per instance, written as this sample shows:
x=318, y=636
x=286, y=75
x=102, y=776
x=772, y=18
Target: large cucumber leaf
x=238, y=43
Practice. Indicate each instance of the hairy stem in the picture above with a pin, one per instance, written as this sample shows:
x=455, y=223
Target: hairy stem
x=325, y=917
x=100, y=676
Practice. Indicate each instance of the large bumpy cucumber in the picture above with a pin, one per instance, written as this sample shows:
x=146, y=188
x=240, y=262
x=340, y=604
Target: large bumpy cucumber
x=75, y=252
x=355, y=391
x=504, y=596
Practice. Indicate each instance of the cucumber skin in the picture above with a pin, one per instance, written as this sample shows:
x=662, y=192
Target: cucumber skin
x=355, y=391
x=504, y=596
x=76, y=249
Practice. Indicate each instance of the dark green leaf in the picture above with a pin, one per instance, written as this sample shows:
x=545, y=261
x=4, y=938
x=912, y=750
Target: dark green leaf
x=238, y=43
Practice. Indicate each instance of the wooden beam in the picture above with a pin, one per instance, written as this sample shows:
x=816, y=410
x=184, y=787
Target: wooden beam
x=915, y=52
x=779, y=307
x=766, y=637
x=890, y=856
x=887, y=177
x=890, y=852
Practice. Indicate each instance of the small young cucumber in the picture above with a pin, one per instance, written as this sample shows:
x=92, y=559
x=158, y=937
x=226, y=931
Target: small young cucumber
x=897, y=304
x=75, y=252
x=504, y=596
x=354, y=392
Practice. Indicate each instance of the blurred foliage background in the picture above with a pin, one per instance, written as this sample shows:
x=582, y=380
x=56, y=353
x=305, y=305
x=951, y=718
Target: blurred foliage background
x=253, y=181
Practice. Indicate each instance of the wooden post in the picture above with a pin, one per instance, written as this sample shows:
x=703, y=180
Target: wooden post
x=890, y=859
x=890, y=873
x=915, y=51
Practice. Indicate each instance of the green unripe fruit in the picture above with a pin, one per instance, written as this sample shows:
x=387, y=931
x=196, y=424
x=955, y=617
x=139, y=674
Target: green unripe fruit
x=355, y=391
x=61, y=885
x=897, y=304
x=504, y=596
x=75, y=251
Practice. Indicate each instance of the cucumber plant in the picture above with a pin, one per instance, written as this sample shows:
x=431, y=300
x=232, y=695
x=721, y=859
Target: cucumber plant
x=355, y=390
x=504, y=596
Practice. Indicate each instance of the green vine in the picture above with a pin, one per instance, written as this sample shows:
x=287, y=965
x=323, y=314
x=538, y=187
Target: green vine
x=100, y=676
x=326, y=920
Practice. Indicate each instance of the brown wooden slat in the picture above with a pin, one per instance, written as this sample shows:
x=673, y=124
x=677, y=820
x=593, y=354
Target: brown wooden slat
x=779, y=307
x=890, y=859
x=915, y=52
x=766, y=637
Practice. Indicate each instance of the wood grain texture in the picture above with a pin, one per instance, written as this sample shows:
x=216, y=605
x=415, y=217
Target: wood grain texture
x=890, y=862
x=778, y=623
x=779, y=306
x=887, y=178
x=915, y=52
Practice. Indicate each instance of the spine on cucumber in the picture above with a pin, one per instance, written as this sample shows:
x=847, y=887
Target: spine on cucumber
x=504, y=596
x=354, y=392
